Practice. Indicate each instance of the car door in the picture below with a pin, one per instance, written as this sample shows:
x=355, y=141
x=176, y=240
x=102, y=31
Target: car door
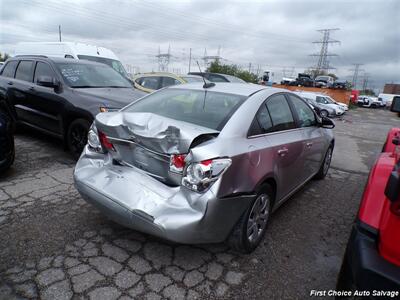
x=48, y=104
x=312, y=136
x=22, y=86
x=283, y=143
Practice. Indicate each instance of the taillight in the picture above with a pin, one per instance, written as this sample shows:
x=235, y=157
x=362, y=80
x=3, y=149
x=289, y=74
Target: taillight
x=199, y=176
x=177, y=163
x=105, y=142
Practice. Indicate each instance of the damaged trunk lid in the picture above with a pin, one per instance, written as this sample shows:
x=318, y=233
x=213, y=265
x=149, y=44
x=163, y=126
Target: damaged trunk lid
x=147, y=141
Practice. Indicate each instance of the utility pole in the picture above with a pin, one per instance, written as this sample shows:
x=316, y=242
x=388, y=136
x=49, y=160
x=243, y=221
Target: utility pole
x=250, y=67
x=59, y=32
x=356, y=70
x=163, y=59
x=323, y=62
x=190, y=58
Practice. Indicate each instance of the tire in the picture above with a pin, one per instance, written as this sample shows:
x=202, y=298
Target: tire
x=323, y=170
x=77, y=136
x=9, y=160
x=324, y=113
x=254, y=220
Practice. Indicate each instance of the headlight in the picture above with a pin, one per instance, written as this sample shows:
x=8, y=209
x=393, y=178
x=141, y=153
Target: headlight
x=199, y=176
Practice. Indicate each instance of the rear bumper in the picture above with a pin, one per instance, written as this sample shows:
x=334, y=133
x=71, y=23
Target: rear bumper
x=369, y=271
x=136, y=200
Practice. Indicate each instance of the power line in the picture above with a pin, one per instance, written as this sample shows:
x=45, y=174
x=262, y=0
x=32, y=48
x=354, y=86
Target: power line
x=323, y=62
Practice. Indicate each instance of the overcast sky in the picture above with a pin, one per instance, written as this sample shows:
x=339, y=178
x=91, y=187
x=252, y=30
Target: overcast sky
x=274, y=35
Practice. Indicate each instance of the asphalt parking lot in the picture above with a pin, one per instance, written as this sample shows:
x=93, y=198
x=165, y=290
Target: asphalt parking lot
x=55, y=246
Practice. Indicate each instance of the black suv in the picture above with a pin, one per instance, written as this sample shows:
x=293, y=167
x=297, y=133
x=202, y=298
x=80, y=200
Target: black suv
x=62, y=96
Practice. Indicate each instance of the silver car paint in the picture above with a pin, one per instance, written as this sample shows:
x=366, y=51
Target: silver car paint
x=132, y=197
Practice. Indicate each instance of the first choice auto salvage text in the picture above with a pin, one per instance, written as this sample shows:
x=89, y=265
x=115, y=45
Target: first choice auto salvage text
x=334, y=293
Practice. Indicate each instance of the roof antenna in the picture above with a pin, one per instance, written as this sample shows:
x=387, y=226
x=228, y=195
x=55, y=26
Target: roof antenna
x=205, y=85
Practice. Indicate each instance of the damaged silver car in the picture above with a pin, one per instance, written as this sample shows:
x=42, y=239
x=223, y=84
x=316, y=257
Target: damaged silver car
x=203, y=164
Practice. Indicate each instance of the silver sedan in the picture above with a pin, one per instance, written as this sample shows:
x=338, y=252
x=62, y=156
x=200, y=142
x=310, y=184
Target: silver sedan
x=201, y=163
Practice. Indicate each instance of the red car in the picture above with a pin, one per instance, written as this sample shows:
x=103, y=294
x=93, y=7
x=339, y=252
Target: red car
x=371, y=264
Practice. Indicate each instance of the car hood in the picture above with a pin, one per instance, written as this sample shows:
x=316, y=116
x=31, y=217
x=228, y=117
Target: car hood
x=112, y=97
x=155, y=132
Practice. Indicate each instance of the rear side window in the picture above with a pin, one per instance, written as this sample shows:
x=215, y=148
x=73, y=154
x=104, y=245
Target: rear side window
x=24, y=70
x=43, y=69
x=151, y=82
x=281, y=115
x=168, y=81
x=216, y=78
x=9, y=69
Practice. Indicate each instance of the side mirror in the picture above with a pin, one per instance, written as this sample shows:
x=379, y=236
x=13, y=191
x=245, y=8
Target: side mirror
x=327, y=123
x=395, y=107
x=47, y=81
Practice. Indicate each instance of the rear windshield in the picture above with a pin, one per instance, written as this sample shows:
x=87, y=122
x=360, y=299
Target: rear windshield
x=204, y=108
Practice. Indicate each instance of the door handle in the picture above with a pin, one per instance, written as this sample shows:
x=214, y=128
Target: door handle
x=309, y=145
x=32, y=88
x=10, y=83
x=283, y=151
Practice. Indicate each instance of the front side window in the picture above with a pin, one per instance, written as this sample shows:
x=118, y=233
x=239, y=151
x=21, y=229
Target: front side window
x=81, y=75
x=24, y=70
x=200, y=107
x=9, y=69
x=322, y=100
x=43, y=69
x=281, y=115
x=304, y=112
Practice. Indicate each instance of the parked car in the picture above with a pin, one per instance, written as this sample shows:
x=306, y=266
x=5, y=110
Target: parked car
x=62, y=96
x=342, y=105
x=372, y=258
x=7, y=148
x=340, y=84
x=73, y=50
x=369, y=101
x=150, y=82
x=168, y=164
x=287, y=80
x=325, y=100
x=217, y=77
x=322, y=110
x=324, y=81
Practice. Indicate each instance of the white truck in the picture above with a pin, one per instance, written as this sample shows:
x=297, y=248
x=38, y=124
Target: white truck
x=370, y=101
x=72, y=50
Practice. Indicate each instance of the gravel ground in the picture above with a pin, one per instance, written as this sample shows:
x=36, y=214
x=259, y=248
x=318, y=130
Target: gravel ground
x=55, y=246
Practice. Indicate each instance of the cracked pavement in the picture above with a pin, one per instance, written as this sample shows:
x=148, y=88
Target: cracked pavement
x=53, y=245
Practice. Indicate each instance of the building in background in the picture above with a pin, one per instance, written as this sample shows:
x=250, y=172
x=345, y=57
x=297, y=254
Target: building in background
x=391, y=88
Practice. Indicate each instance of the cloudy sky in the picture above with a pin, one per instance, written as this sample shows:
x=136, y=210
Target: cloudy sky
x=271, y=35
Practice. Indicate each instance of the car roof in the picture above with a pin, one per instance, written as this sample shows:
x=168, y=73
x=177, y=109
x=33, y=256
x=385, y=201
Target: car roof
x=56, y=59
x=243, y=89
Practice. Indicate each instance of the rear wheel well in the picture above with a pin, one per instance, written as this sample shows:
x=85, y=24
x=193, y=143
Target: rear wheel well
x=68, y=119
x=272, y=183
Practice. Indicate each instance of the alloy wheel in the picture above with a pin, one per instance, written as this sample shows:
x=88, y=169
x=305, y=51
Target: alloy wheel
x=258, y=218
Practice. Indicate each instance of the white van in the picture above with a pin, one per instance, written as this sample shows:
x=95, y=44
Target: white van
x=72, y=50
x=387, y=98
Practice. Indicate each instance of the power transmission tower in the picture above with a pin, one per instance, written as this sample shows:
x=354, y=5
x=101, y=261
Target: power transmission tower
x=207, y=58
x=323, y=62
x=356, y=70
x=365, y=81
x=163, y=59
